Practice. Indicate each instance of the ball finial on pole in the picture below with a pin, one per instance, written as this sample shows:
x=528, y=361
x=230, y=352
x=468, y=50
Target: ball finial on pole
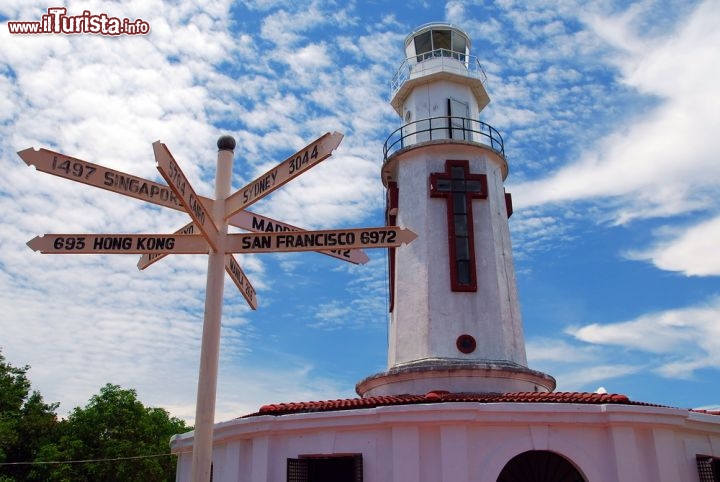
x=226, y=143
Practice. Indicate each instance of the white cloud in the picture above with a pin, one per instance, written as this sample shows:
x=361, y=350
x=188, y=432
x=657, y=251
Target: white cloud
x=665, y=162
x=542, y=350
x=576, y=366
x=106, y=100
x=363, y=299
x=454, y=12
x=310, y=57
x=284, y=28
x=538, y=231
x=692, y=251
x=287, y=379
x=331, y=315
x=321, y=198
x=681, y=340
x=587, y=376
x=657, y=158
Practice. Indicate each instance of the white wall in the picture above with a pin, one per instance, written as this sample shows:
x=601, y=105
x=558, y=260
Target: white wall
x=463, y=442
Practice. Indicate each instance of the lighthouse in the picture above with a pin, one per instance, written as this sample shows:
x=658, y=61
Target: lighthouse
x=457, y=401
x=455, y=322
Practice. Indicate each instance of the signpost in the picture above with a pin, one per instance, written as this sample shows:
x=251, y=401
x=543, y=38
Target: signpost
x=208, y=233
x=95, y=175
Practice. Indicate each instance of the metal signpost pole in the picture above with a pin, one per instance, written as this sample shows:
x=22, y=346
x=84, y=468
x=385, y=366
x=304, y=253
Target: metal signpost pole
x=210, y=349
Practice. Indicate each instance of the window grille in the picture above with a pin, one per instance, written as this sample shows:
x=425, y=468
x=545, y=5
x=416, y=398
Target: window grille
x=708, y=468
x=325, y=468
x=297, y=470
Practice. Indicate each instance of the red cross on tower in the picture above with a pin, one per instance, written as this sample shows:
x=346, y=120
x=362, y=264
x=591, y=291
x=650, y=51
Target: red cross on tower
x=459, y=188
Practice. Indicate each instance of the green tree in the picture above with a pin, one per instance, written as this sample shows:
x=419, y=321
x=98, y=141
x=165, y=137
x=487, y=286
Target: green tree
x=26, y=422
x=113, y=425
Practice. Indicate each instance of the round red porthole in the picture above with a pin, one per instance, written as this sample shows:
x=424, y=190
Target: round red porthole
x=466, y=344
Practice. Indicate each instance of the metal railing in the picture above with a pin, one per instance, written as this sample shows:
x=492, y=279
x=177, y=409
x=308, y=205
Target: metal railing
x=446, y=128
x=448, y=58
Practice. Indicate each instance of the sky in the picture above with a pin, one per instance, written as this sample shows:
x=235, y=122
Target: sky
x=610, y=113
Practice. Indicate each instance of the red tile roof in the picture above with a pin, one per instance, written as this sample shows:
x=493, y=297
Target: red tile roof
x=709, y=412
x=441, y=396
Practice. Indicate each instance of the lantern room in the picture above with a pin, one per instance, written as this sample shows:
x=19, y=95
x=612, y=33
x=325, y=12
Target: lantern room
x=437, y=39
x=437, y=54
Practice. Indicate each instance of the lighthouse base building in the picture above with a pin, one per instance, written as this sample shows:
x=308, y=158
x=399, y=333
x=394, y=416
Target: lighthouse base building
x=458, y=402
x=547, y=437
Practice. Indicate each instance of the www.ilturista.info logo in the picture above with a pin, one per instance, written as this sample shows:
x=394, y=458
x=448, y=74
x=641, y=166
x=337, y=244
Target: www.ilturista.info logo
x=59, y=22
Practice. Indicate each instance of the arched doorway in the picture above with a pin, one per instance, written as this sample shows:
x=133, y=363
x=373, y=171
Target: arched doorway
x=539, y=466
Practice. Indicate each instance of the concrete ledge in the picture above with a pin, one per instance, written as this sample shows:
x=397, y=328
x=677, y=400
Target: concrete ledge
x=455, y=376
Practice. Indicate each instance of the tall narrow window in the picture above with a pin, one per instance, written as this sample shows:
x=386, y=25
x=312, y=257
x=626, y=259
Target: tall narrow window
x=459, y=113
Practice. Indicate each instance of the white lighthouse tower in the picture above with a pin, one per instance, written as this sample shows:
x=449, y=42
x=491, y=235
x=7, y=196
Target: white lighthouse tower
x=457, y=402
x=455, y=321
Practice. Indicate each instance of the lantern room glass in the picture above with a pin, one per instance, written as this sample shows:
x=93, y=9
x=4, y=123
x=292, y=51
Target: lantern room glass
x=441, y=41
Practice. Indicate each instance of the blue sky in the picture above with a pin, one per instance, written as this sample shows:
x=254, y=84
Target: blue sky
x=610, y=115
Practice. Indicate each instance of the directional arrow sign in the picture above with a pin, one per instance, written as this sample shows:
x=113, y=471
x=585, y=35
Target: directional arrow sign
x=257, y=223
x=119, y=243
x=386, y=237
x=95, y=175
x=289, y=169
x=241, y=281
x=180, y=185
x=149, y=258
x=85, y=172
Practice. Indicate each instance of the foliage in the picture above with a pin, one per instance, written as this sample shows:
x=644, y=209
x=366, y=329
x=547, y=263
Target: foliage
x=113, y=425
x=26, y=421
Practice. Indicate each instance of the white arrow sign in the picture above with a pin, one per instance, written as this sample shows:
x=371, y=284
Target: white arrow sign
x=386, y=237
x=119, y=244
x=182, y=188
x=236, y=273
x=257, y=223
x=95, y=175
x=287, y=170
